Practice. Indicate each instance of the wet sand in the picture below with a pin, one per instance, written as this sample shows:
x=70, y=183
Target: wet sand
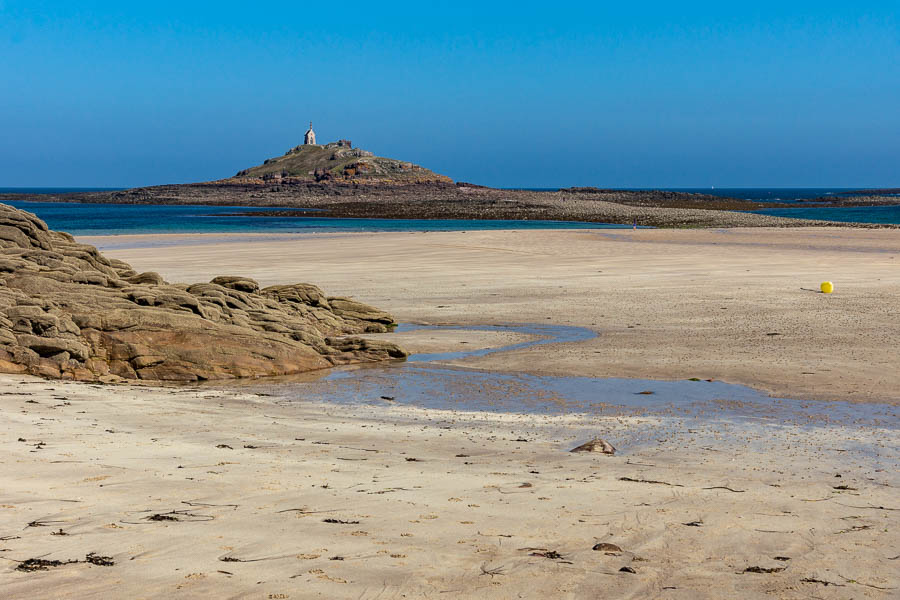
x=212, y=493
x=740, y=305
x=222, y=492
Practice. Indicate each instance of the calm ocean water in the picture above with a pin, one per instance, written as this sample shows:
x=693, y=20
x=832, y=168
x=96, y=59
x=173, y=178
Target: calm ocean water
x=864, y=214
x=55, y=190
x=771, y=194
x=108, y=219
x=886, y=215
x=100, y=219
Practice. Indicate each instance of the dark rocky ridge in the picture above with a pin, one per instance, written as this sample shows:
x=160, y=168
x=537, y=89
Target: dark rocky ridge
x=440, y=200
x=342, y=181
x=878, y=191
x=66, y=311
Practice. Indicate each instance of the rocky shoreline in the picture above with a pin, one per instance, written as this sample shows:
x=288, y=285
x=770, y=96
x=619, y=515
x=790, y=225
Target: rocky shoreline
x=68, y=312
x=466, y=201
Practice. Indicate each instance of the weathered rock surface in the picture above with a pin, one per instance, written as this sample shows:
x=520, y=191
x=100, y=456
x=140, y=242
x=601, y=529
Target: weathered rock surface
x=337, y=162
x=595, y=445
x=67, y=311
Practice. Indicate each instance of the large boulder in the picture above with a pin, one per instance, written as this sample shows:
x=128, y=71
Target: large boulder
x=67, y=311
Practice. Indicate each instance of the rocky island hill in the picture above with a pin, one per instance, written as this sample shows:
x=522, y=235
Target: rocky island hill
x=339, y=180
x=66, y=311
x=337, y=162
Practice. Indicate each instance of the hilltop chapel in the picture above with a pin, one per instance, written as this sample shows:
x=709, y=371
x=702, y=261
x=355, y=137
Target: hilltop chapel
x=310, y=137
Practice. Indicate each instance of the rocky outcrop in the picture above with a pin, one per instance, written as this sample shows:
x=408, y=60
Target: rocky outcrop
x=595, y=445
x=66, y=311
x=337, y=162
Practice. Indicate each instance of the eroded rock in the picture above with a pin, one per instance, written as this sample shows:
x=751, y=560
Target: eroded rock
x=67, y=311
x=595, y=445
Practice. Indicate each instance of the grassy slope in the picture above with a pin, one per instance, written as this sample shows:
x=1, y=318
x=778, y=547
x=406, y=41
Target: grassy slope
x=342, y=164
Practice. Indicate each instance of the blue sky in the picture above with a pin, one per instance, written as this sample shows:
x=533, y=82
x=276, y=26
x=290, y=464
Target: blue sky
x=522, y=93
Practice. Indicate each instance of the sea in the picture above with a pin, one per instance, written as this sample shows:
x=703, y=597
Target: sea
x=845, y=214
x=114, y=219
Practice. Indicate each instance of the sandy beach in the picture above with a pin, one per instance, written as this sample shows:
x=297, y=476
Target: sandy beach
x=449, y=300
x=231, y=491
x=739, y=305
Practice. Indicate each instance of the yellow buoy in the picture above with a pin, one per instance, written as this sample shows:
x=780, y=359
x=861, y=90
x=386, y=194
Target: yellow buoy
x=827, y=287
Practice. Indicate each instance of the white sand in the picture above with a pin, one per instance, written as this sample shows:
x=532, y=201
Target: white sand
x=451, y=526
x=667, y=303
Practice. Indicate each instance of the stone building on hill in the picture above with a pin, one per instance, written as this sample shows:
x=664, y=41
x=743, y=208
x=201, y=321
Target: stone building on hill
x=310, y=137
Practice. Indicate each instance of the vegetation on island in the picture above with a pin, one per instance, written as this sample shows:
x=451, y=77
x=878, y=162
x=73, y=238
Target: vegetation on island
x=337, y=162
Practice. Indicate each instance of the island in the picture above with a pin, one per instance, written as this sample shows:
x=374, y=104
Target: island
x=338, y=180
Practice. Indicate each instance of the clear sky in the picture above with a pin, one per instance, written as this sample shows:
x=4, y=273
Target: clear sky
x=531, y=94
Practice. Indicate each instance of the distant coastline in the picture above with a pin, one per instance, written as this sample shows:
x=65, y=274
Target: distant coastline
x=365, y=191
x=57, y=190
x=435, y=201
x=754, y=194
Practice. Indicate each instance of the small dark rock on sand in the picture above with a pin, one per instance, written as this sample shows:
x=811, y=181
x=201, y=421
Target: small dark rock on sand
x=764, y=569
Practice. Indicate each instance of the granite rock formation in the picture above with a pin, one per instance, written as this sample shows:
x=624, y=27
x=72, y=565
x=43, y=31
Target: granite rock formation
x=337, y=162
x=66, y=311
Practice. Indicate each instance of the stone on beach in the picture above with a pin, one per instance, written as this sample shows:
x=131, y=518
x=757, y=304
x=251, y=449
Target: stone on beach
x=595, y=445
x=66, y=311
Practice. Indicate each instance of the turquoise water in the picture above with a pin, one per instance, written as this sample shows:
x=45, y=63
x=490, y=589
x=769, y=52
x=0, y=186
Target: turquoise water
x=111, y=219
x=889, y=215
x=104, y=219
x=768, y=194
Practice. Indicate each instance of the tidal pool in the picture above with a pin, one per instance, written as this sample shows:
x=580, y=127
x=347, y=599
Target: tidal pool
x=702, y=411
